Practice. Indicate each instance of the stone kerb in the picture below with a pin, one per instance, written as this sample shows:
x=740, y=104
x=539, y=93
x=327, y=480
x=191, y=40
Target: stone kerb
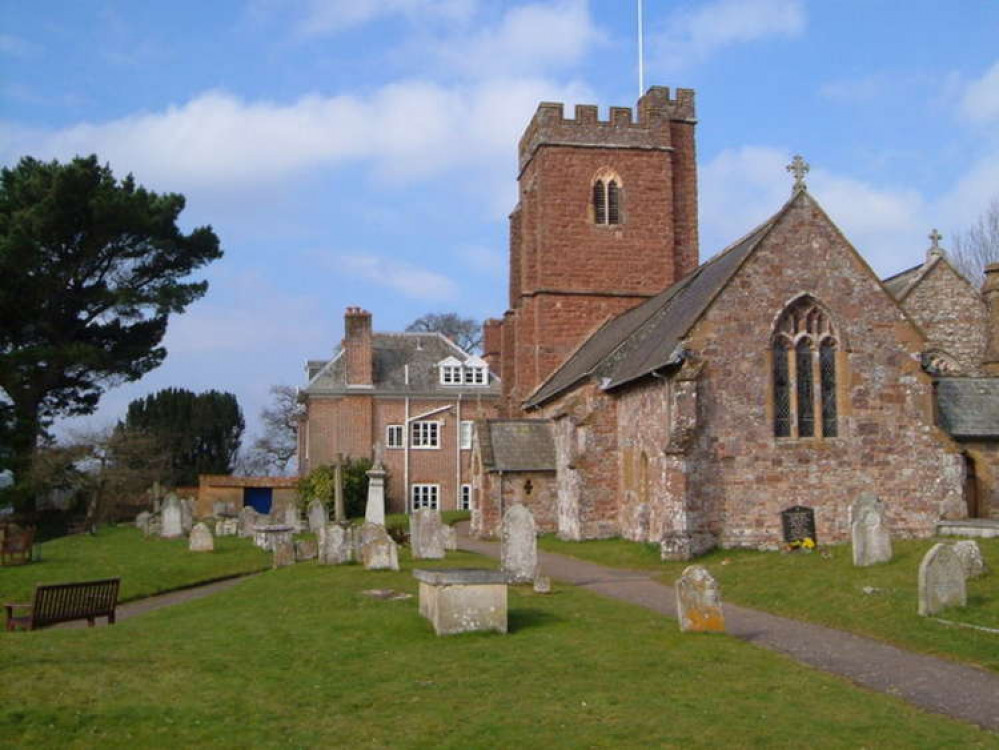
x=941, y=580
x=463, y=600
x=318, y=516
x=869, y=532
x=426, y=534
x=519, y=544
x=201, y=539
x=172, y=524
x=698, y=602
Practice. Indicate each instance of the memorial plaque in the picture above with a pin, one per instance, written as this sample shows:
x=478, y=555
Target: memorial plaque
x=799, y=524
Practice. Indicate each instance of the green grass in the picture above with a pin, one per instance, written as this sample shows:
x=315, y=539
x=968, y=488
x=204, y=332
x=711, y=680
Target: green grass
x=146, y=566
x=298, y=657
x=824, y=587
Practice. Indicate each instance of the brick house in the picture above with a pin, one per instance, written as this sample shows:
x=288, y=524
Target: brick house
x=417, y=394
x=689, y=405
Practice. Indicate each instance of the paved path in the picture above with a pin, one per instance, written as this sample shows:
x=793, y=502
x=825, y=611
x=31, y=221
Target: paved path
x=938, y=685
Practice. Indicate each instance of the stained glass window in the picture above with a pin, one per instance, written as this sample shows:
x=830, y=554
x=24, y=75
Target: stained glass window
x=806, y=405
x=782, y=391
x=827, y=379
x=599, y=203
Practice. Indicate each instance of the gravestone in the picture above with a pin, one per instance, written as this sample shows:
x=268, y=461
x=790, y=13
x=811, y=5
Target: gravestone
x=450, y=538
x=292, y=517
x=270, y=536
x=336, y=544
x=380, y=553
x=187, y=515
x=463, y=600
x=226, y=527
x=172, y=518
x=318, y=517
x=284, y=553
x=248, y=521
x=698, y=602
x=542, y=583
x=519, y=544
x=798, y=524
x=155, y=525
x=374, y=511
x=426, y=535
x=970, y=555
x=201, y=539
x=869, y=532
x=305, y=549
x=142, y=522
x=941, y=580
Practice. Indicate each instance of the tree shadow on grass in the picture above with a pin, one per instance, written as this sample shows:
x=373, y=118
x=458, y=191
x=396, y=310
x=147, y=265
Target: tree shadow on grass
x=523, y=618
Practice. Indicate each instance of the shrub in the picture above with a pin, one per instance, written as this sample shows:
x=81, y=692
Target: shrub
x=320, y=482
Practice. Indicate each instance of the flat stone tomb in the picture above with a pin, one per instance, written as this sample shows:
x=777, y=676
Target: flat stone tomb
x=268, y=537
x=463, y=600
x=798, y=524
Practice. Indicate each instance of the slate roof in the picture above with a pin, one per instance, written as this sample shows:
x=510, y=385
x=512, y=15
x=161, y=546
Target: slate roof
x=969, y=407
x=511, y=445
x=391, y=353
x=647, y=338
x=899, y=284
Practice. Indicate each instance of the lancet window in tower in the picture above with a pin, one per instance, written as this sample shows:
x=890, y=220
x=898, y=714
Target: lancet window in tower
x=607, y=200
x=804, y=372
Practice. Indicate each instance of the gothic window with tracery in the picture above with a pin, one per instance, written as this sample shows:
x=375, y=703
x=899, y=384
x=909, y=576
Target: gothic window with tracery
x=607, y=200
x=804, y=372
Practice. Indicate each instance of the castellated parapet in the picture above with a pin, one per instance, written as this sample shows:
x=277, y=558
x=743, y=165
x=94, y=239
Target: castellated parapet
x=656, y=110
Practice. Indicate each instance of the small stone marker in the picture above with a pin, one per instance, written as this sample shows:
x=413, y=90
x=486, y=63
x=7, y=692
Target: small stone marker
x=970, y=555
x=869, y=532
x=248, y=521
x=519, y=544
x=187, y=515
x=284, y=554
x=798, y=524
x=155, y=525
x=336, y=545
x=698, y=602
x=226, y=527
x=463, y=600
x=380, y=553
x=450, y=538
x=172, y=521
x=941, y=580
x=426, y=534
x=374, y=511
x=318, y=517
x=305, y=549
x=142, y=521
x=542, y=584
x=201, y=539
x=387, y=594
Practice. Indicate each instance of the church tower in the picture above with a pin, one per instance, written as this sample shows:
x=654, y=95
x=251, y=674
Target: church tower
x=606, y=218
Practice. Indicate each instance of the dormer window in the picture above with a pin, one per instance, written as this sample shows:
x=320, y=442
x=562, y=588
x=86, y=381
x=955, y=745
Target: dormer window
x=473, y=371
x=451, y=371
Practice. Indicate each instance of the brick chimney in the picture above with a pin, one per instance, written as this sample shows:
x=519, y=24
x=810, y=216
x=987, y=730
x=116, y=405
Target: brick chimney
x=492, y=343
x=357, y=346
x=990, y=291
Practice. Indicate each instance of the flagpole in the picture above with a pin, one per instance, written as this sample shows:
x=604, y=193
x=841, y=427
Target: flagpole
x=641, y=56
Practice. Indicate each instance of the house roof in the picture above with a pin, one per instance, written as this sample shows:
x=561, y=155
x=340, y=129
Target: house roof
x=969, y=407
x=392, y=352
x=647, y=338
x=511, y=445
x=900, y=283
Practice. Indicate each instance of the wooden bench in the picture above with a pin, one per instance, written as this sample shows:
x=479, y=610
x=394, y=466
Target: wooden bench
x=16, y=544
x=62, y=602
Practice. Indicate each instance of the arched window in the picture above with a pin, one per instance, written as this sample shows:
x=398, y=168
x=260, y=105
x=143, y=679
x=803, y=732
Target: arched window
x=804, y=385
x=607, y=199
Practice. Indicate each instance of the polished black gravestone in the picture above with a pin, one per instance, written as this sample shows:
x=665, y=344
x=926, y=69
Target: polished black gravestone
x=798, y=524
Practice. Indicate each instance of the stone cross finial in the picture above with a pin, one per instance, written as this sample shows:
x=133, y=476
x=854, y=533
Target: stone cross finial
x=799, y=168
x=935, y=238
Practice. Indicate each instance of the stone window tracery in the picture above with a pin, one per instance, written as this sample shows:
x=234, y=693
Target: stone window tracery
x=804, y=372
x=606, y=200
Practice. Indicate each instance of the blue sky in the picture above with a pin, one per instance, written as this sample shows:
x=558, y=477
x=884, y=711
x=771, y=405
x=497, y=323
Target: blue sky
x=363, y=152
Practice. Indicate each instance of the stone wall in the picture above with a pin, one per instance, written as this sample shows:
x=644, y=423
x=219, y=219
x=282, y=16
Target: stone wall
x=986, y=461
x=494, y=493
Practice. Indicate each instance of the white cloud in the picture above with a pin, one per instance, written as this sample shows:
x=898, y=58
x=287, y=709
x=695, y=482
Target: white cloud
x=980, y=103
x=320, y=17
x=691, y=36
x=403, y=277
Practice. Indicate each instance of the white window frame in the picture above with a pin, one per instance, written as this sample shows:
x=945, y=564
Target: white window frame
x=424, y=496
x=465, y=434
x=475, y=376
x=399, y=432
x=465, y=497
x=425, y=434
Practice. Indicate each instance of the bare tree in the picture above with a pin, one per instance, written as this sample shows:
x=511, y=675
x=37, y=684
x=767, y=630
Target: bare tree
x=274, y=450
x=978, y=246
x=465, y=332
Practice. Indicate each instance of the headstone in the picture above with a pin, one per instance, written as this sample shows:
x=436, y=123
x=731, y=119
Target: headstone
x=450, y=538
x=187, y=515
x=798, y=524
x=226, y=527
x=201, y=539
x=172, y=517
x=142, y=521
x=155, y=525
x=698, y=602
x=426, y=536
x=871, y=540
x=519, y=544
x=941, y=580
x=380, y=553
x=292, y=517
x=318, y=517
x=970, y=555
x=306, y=549
x=284, y=554
x=336, y=544
x=248, y=520
x=542, y=584
x=374, y=511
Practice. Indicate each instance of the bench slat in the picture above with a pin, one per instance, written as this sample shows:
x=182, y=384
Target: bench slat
x=62, y=602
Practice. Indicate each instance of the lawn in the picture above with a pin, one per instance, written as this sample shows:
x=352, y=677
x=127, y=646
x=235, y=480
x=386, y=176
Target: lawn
x=146, y=566
x=824, y=587
x=299, y=657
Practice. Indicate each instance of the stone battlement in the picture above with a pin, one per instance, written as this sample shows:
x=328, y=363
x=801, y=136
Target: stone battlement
x=651, y=129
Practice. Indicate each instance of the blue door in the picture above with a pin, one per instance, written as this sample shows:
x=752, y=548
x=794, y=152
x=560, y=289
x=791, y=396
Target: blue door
x=258, y=498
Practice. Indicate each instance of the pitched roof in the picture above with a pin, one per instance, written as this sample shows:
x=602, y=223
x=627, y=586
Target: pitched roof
x=646, y=338
x=391, y=353
x=900, y=283
x=510, y=445
x=969, y=407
